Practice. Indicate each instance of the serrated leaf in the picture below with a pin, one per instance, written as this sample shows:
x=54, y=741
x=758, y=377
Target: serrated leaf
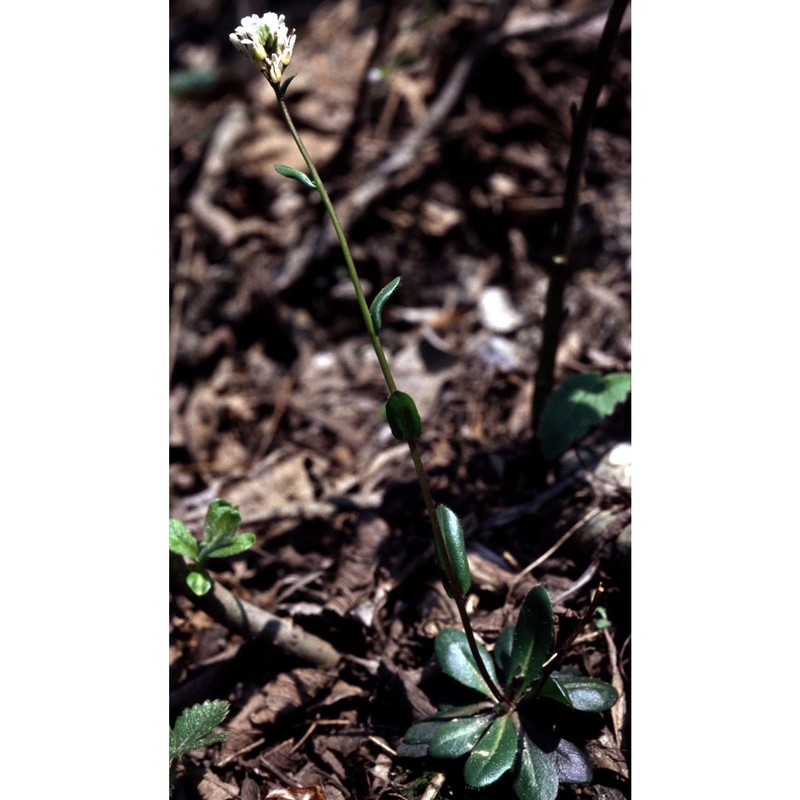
x=533, y=638
x=403, y=417
x=222, y=520
x=181, y=540
x=458, y=736
x=376, y=308
x=580, y=693
x=535, y=777
x=456, y=549
x=455, y=659
x=295, y=174
x=580, y=403
x=193, y=728
x=494, y=754
x=199, y=582
x=239, y=543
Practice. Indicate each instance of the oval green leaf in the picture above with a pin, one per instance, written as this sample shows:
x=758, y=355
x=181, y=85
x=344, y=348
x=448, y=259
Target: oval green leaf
x=199, y=582
x=455, y=659
x=458, y=736
x=239, y=543
x=453, y=536
x=376, y=309
x=494, y=754
x=222, y=520
x=403, y=417
x=181, y=540
x=535, y=777
x=582, y=694
x=532, y=639
x=295, y=174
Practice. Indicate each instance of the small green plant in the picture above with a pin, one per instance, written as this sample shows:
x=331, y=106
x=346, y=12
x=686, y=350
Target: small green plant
x=193, y=728
x=503, y=739
x=580, y=403
x=219, y=540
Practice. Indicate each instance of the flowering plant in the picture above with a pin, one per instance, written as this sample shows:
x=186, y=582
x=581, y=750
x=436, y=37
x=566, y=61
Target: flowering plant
x=266, y=41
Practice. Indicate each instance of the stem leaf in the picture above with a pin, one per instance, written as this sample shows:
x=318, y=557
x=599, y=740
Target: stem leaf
x=376, y=309
x=403, y=417
x=456, y=549
x=296, y=174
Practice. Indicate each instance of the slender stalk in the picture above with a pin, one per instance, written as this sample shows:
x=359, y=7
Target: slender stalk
x=387, y=374
x=560, y=265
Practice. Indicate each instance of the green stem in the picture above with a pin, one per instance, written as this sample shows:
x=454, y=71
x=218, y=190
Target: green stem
x=387, y=374
x=560, y=266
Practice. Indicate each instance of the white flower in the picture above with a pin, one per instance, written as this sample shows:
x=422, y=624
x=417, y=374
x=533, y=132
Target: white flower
x=266, y=41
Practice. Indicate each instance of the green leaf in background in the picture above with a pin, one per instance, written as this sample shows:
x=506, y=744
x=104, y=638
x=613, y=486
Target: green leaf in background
x=458, y=736
x=222, y=520
x=533, y=638
x=456, y=549
x=580, y=403
x=239, y=543
x=296, y=174
x=376, y=309
x=535, y=776
x=403, y=417
x=455, y=659
x=193, y=727
x=580, y=693
x=199, y=582
x=181, y=540
x=494, y=754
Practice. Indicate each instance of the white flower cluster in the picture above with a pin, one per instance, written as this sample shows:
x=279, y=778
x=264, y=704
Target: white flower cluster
x=266, y=42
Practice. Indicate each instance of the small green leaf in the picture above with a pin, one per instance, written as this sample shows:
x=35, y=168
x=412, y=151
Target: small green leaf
x=533, y=638
x=455, y=659
x=456, y=548
x=222, y=520
x=376, y=309
x=296, y=174
x=193, y=727
x=403, y=417
x=580, y=403
x=494, y=754
x=181, y=540
x=458, y=736
x=582, y=694
x=239, y=543
x=199, y=582
x=535, y=777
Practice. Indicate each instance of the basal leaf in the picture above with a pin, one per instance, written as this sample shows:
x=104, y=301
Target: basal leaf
x=458, y=736
x=494, y=754
x=456, y=548
x=535, y=777
x=193, y=728
x=533, y=638
x=570, y=763
x=580, y=693
x=580, y=403
x=376, y=308
x=455, y=659
x=181, y=540
x=502, y=651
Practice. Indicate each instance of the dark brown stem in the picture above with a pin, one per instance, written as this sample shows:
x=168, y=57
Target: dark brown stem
x=560, y=266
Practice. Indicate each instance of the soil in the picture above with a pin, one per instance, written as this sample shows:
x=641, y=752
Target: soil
x=275, y=392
